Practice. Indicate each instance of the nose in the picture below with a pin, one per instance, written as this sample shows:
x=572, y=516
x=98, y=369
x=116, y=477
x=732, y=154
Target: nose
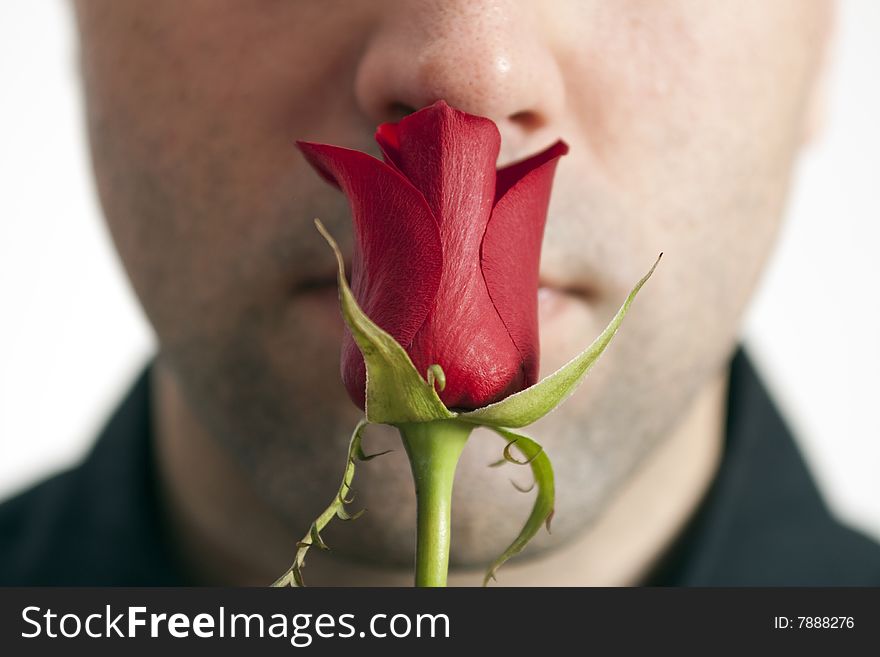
x=486, y=58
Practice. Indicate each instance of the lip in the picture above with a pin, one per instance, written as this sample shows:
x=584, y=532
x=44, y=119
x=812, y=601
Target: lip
x=545, y=290
x=314, y=285
x=320, y=283
x=549, y=285
x=556, y=306
x=581, y=292
x=554, y=302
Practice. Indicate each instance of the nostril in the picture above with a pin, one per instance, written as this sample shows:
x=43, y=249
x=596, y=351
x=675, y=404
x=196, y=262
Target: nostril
x=397, y=111
x=527, y=119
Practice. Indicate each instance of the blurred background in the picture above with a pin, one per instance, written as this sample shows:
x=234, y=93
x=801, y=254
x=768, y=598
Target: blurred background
x=73, y=337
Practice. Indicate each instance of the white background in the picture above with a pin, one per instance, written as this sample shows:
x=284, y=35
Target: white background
x=72, y=337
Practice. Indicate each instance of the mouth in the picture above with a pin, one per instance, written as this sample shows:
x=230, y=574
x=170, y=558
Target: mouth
x=563, y=305
x=548, y=287
x=314, y=284
x=322, y=282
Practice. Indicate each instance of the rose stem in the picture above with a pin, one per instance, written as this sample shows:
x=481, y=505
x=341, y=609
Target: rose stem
x=433, y=449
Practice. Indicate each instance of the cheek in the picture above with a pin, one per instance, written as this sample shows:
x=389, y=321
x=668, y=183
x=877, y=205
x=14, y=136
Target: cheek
x=694, y=93
x=193, y=109
x=692, y=115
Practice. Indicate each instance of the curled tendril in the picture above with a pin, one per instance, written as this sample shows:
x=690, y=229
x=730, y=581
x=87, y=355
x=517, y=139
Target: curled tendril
x=512, y=459
x=293, y=576
x=521, y=489
x=542, y=511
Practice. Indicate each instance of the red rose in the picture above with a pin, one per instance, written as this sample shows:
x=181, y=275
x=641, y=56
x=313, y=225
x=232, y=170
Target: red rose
x=446, y=250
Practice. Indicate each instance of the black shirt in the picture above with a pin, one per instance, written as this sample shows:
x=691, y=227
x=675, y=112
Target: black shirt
x=762, y=522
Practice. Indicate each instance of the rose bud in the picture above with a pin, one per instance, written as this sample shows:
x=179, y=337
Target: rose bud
x=446, y=250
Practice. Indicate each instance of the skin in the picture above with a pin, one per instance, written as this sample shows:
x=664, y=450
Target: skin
x=684, y=119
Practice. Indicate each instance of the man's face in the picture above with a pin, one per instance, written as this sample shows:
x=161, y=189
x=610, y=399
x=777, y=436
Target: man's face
x=683, y=119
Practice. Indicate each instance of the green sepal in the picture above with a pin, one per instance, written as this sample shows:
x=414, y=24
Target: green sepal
x=396, y=392
x=522, y=408
x=542, y=511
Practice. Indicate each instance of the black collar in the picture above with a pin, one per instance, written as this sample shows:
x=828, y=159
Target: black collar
x=763, y=521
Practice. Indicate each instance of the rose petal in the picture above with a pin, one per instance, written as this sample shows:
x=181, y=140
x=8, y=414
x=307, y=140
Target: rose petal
x=450, y=157
x=511, y=174
x=511, y=251
x=530, y=405
x=398, y=256
x=389, y=142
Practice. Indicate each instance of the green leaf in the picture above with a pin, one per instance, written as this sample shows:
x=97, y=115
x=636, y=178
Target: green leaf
x=293, y=576
x=522, y=408
x=396, y=392
x=542, y=511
